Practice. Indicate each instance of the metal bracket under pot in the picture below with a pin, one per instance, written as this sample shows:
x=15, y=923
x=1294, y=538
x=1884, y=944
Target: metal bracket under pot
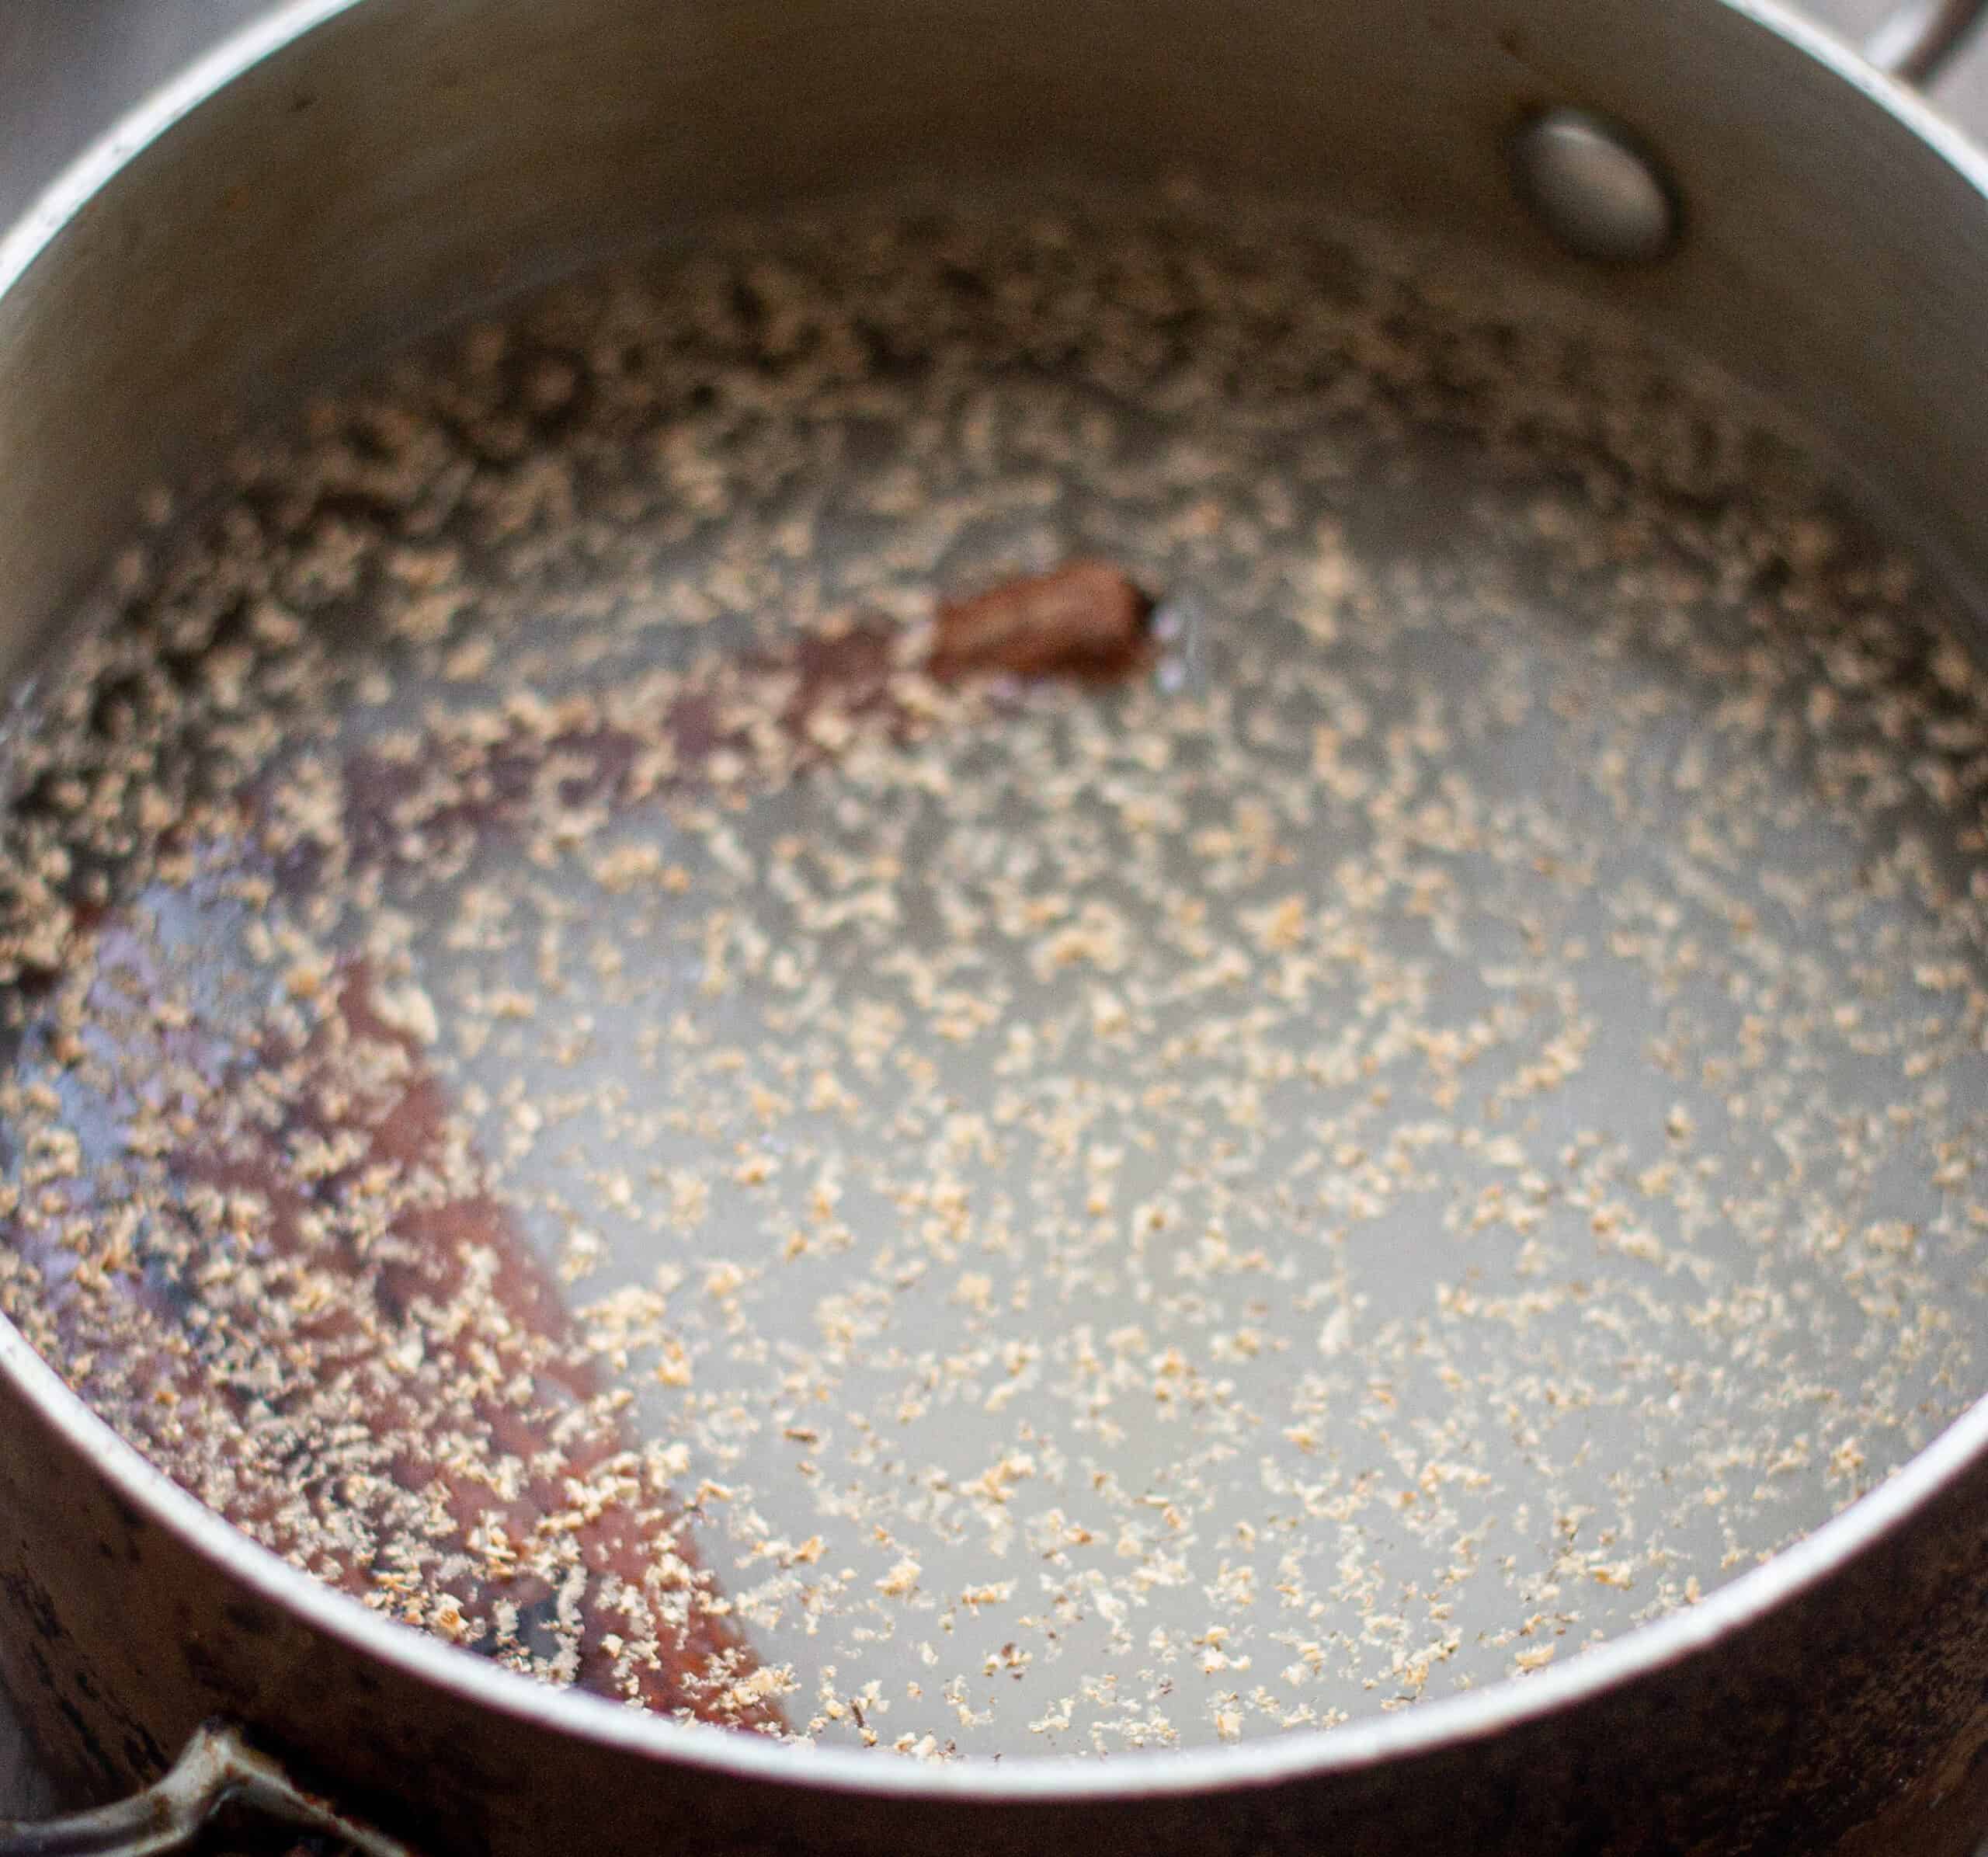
x=218, y=1768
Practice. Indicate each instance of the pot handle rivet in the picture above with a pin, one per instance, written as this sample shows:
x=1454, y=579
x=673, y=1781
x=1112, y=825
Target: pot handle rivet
x=218, y=1767
x=1593, y=189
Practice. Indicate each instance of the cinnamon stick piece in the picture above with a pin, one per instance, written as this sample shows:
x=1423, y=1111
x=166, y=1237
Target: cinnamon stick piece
x=1087, y=620
x=338, y=1334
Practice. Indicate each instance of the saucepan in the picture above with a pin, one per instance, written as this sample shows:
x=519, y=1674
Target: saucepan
x=1244, y=736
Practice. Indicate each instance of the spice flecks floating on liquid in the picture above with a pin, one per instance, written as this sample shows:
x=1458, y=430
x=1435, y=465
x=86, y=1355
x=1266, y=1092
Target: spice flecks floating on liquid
x=1092, y=1216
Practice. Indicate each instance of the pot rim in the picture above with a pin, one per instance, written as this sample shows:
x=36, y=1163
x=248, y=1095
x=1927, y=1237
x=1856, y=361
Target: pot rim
x=1039, y=1779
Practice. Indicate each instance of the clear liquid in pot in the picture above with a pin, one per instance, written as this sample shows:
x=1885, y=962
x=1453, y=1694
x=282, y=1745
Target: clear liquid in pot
x=564, y=1083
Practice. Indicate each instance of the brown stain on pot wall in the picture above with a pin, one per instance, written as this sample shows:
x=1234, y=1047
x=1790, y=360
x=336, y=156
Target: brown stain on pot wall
x=1941, y=1814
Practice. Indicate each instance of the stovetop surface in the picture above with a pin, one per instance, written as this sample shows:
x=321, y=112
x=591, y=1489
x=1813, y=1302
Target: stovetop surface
x=52, y=104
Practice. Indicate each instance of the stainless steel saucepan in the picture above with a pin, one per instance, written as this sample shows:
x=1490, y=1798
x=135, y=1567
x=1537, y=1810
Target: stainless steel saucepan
x=346, y=175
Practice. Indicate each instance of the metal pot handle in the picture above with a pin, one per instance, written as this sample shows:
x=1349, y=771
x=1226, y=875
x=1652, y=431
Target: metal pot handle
x=1916, y=43
x=217, y=1767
